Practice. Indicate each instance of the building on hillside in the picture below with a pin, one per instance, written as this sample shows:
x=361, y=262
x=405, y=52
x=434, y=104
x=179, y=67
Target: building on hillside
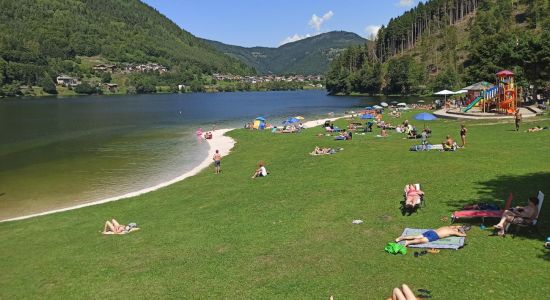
x=65, y=80
x=112, y=87
x=104, y=68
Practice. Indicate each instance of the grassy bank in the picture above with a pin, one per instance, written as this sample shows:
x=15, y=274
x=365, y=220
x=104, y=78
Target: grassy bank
x=290, y=235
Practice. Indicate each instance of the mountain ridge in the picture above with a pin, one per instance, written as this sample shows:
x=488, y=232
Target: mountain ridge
x=307, y=56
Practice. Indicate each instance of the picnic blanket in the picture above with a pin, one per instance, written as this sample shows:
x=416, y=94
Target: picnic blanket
x=453, y=242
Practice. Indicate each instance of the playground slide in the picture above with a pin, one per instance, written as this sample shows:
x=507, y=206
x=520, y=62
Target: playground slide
x=473, y=103
x=506, y=105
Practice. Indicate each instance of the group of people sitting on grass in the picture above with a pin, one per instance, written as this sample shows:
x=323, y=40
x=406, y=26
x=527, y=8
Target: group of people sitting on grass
x=289, y=128
x=344, y=135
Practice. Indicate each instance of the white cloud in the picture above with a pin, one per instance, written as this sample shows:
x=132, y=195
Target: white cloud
x=316, y=22
x=294, y=38
x=405, y=3
x=372, y=31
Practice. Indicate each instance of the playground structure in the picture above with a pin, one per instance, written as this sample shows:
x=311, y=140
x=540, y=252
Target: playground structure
x=501, y=98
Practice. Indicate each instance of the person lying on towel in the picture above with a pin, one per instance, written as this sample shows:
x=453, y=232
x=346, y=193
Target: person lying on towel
x=432, y=235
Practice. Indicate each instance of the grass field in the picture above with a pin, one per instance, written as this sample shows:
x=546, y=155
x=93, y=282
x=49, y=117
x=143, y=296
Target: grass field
x=289, y=235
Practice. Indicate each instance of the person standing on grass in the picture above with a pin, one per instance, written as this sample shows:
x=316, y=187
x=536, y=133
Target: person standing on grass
x=463, y=131
x=518, y=119
x=217, y=161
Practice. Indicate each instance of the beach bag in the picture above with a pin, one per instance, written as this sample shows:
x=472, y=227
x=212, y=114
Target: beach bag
x=395, y=248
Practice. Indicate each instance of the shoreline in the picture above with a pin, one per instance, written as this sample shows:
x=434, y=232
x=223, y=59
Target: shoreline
x=219, y=141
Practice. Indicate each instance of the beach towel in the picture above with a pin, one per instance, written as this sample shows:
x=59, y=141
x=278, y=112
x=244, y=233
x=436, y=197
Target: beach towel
x=453, y=242
x=427, y=147
x=124, y=232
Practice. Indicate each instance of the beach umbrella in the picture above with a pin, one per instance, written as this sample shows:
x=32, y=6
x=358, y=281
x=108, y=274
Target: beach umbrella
x=367, y=116
x=383, y=104
x=377, y=107
x=369, y=107
x=299, y=117
x=421, y=101
x=445, y=93
x=425, y=117
x=393, y=102
x=260, y=119
x=402, y=104
x=290, y=121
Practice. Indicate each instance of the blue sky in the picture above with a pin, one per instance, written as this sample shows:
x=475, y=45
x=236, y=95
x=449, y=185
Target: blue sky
x=271, y=23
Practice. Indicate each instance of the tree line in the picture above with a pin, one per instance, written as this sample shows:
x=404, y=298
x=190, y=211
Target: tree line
x=429, y=48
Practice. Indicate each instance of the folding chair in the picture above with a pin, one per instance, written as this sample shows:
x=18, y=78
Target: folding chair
x=529, y=224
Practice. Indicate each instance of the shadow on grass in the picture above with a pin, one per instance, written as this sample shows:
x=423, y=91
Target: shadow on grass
x=545, y=254
x=497, y=190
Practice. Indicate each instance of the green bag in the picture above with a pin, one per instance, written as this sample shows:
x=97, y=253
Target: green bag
x=395, y=248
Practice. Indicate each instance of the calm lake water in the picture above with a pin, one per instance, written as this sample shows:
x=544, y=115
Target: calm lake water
x=59, y=152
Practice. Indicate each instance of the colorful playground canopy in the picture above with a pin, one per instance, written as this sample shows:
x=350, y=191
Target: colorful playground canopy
x=505, y=73
x=480, y=86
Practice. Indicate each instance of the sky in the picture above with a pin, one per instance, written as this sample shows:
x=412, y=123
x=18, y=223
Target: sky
x=272, y=23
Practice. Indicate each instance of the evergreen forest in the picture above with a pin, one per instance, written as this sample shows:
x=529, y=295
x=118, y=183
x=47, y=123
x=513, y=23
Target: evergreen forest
x=448, y=44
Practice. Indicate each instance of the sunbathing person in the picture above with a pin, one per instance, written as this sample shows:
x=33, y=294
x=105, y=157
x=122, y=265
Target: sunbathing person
x=432, y=235
x=113, y=227
x=518, y=214
x=403, y=293
x=448, y=143
x=413, y=196
x=322, y=151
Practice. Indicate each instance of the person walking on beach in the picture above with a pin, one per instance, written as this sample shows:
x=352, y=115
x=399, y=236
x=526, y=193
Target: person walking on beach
x=217, y=161
x=518, y=119
x=463, y=131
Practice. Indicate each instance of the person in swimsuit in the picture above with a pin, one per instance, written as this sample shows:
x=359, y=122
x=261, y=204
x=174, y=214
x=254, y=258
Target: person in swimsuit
x=432, y=235
x=518, y=214
x=463, y=131
x=413, y=196
x=116, y=228
x=217, y=161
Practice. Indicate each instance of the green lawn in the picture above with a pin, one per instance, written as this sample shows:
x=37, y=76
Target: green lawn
x=289, y=235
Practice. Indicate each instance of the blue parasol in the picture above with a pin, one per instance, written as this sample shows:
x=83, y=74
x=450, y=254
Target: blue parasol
x=367, y=116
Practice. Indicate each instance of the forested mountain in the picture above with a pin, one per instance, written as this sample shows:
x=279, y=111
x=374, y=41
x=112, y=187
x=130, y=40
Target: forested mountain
x=308, y=56
x=41, y=39
x=447, y=44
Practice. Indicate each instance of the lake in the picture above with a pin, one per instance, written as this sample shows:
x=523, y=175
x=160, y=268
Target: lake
x=59, y=152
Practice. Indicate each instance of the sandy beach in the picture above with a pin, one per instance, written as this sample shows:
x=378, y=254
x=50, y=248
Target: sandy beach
x=219, y=141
